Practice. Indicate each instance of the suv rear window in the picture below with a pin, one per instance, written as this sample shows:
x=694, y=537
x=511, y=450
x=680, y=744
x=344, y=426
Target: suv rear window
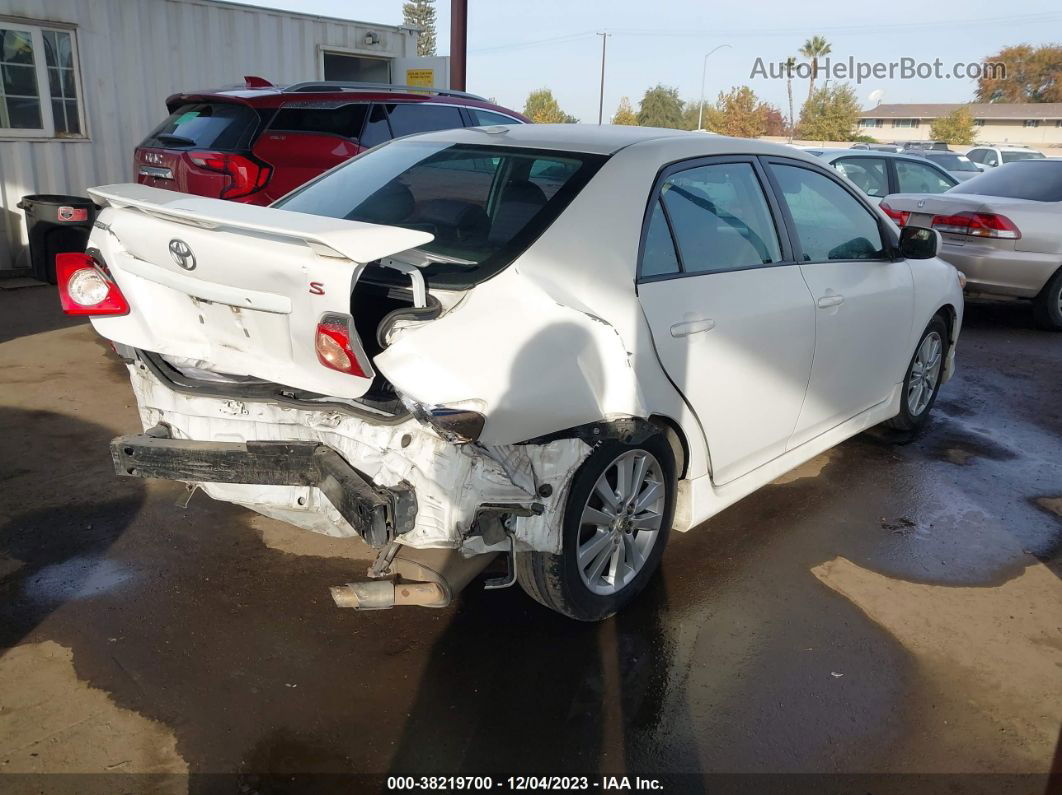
x=418, y=117
x=484, y=204
x=345, y=120
x=207, y=125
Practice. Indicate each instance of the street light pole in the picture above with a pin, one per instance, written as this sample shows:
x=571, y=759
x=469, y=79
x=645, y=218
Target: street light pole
x=601, y=97
x=704, y=73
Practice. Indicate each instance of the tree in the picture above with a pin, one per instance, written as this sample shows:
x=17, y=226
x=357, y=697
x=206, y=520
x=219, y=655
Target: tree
x=661, y=107
x=774, y=121
x=691, y=115
x=830, y=115
x=790, y=65
x=814, y=48
x=421, y=14
x=625, y=113
x=739, y=113
x=955, y=128
x=542, y=108
x=1032, y=74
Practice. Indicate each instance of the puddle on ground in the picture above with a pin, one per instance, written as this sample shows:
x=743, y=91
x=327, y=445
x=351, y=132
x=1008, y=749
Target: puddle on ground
x=996, y=650
x=51, y=722
x=809, y=469
x=1049, y=504
x=962, y=447
x=284, y=537
x=76, y=578
x=9, y=565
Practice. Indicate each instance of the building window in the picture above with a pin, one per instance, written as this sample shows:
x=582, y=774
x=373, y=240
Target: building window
x=870, y=123
x=1031, y=123
x=905, y=122
x=979, y=122
x=40, y=86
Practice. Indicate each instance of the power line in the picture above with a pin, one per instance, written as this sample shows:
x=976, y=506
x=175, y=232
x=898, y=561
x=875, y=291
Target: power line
x=874, y=28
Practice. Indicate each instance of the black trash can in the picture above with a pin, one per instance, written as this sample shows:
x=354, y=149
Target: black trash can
x=56, y=224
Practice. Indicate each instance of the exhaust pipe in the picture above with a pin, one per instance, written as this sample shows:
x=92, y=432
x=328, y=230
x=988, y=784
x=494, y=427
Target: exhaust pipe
x=382, y=594
x=419, y=577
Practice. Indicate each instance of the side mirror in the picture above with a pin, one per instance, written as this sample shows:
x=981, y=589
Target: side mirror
x=916, y=242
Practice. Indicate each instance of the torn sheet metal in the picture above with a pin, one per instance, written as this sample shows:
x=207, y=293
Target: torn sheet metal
x=451, y=481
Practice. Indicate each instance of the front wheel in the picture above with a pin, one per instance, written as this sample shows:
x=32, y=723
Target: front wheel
x=924, y=374
x=616, y=523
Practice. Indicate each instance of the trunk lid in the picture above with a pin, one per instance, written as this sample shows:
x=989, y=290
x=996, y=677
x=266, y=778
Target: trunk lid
x=923, y=206
x=236, y=288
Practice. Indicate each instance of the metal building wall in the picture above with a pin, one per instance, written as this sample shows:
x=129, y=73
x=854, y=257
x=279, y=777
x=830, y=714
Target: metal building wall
x=135, y=53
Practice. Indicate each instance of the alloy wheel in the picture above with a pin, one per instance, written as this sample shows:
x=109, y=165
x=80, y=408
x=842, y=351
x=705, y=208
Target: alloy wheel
x=925, y=372
x=621, y=521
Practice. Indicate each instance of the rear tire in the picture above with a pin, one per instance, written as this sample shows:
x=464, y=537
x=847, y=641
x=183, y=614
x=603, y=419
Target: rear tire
x=1047, y=306
x=923, y=378
x=608, y=551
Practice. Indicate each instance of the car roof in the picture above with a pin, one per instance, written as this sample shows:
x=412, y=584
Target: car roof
x=605, y=139
x=830, y=155
x=324, y=92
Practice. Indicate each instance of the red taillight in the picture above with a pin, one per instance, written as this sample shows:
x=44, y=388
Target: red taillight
x=245, y=175
x=899, y=216
x=977, y=225
x=334, y=348
x=86, y=287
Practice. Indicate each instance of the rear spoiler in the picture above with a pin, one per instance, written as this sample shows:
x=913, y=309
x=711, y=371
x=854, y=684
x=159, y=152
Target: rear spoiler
x=356, y=241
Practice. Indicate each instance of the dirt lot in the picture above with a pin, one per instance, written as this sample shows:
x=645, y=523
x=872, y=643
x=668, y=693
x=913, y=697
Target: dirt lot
x=884, y=609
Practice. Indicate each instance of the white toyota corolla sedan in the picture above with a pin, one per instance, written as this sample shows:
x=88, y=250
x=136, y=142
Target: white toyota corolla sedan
x=553, y=343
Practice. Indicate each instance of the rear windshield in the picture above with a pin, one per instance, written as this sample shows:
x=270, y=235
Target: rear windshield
x=1041, y=182
x=953, y=162
x=206, y=125
x=484, y=204
x=1013, y=157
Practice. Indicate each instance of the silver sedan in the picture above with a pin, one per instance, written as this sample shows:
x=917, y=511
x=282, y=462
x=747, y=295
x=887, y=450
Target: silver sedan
x=1003, y=229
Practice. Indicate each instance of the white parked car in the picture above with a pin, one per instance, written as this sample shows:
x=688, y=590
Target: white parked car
x=558, y=342
x=988, y=156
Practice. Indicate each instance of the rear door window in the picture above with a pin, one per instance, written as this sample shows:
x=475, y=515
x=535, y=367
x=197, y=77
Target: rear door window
x=345, y=121
x=920, y=178
x=720, y=218
x=206, y=125
x=868, y=173
x=419, y=117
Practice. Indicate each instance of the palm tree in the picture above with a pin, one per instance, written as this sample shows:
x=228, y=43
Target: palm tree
x=790, y=64
x=814, y=48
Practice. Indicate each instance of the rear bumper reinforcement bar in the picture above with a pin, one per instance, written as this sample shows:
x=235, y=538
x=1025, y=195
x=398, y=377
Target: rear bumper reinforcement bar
x=376, y=514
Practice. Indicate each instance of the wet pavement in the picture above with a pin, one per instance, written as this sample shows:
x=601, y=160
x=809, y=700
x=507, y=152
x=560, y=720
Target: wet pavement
x=884, y=609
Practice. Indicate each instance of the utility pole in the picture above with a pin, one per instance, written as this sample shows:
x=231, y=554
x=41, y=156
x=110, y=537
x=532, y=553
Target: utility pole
x=458, y=43
x=601, y=98
x=704, y=73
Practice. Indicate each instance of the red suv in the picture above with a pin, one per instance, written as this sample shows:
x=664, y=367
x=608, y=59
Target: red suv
x=256, y=143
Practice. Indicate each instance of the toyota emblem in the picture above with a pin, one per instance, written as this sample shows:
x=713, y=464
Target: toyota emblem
x=182, y=254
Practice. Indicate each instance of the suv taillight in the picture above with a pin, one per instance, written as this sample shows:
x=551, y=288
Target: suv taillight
x=86, y=287
x=335, y=346
x=246, y=175
x=977, y=225
x=899, y=216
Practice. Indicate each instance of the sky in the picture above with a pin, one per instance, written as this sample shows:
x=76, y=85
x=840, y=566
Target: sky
x=517, y=47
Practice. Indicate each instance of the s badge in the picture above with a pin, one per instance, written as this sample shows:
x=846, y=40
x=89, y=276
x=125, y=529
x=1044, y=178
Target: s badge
x=316, y=288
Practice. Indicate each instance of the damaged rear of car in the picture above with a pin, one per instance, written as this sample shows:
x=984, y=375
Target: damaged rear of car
x=360, y=360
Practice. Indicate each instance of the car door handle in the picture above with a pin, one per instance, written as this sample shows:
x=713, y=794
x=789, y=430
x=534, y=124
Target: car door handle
x=688, y=327
x=828, y=301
